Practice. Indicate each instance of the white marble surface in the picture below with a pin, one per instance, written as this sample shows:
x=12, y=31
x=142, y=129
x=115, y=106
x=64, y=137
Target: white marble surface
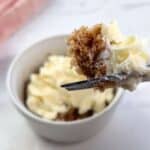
x=130, y=126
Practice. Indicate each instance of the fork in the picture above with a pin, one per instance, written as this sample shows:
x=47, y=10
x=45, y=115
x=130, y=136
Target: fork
x=85, y=84
x=114, y=80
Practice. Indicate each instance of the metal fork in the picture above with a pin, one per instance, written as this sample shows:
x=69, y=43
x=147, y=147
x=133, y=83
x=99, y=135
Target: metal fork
x=112, y=80
x=85, y=84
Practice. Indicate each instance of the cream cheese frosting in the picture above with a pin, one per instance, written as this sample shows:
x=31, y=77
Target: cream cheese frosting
x=46, y=98
x=128, y=54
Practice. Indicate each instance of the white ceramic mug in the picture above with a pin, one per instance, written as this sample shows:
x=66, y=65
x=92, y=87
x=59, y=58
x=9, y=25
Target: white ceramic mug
x=26, y=63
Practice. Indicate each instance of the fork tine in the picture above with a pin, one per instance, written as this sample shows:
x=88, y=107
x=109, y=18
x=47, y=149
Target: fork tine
x=85, y=84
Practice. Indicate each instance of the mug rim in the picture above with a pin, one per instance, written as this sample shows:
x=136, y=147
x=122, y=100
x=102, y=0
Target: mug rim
x=22, y=108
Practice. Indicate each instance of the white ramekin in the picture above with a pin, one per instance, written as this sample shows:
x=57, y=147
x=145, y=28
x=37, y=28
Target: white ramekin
x=27, y=62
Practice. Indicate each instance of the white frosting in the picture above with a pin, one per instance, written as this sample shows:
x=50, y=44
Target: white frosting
x=128, y=54
x=112, y=32
x=46, y=98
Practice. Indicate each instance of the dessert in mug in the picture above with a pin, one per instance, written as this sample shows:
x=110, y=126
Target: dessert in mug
x=47, y=99
x=94, y=52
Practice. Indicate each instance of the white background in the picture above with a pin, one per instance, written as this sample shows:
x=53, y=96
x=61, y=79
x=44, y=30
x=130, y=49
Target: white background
x=130, y=126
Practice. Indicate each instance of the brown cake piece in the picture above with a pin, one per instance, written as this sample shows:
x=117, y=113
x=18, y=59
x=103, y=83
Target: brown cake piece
x=90, y=52
x=73, y=114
